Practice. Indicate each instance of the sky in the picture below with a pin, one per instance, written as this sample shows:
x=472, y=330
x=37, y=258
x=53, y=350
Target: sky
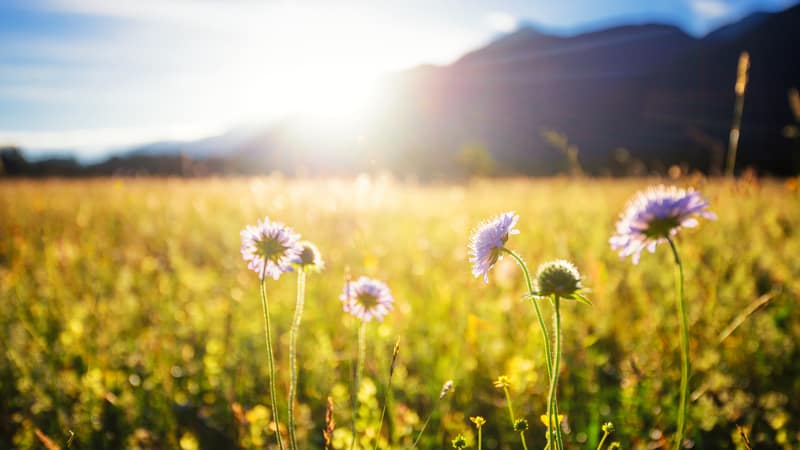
x=90, y=77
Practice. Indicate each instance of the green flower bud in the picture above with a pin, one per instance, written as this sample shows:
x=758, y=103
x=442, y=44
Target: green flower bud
x=559, y=278
x=459, y=442
x=310, y=258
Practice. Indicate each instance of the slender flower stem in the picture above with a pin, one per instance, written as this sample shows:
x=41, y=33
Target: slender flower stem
x=510, y=407
x=386, y=394
x=514, y=418
x=424, y=425
x=298, y=315
x=442, y=395
x=522, y=436
x=480, y=438
x=362, y=352
x=270, y=357
x=603, y=440
x=556, y=370
x=383, y=413
x=553, y=428
x=539, y=318
x=682, y=409
x=542, y=326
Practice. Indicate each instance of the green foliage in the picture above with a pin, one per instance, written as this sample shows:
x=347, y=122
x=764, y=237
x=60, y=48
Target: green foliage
x=560, y=142
x=475, y=160
x=129, y=318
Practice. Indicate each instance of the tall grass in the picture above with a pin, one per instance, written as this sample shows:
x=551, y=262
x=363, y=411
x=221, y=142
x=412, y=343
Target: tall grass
x=129, y=319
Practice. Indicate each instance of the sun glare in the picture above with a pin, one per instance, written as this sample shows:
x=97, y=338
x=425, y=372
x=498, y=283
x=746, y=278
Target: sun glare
x=335, y=95
x=322, y=70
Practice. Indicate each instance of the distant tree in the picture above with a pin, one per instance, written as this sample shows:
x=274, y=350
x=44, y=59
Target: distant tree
x=476, y=160
x=13, y=162
x=561, y=143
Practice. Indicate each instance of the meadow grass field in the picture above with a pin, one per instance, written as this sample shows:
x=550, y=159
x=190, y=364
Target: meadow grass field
x=130, y=320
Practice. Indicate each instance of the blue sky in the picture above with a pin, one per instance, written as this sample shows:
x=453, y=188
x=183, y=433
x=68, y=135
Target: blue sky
x=91, y=76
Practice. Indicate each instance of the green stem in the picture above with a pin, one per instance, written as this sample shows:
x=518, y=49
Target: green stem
x=559, y=436
x=602, y=441
x=480, y=438
x=522, y=436
x=424, y=425
x=510, y=407
x=383, y=413
x=513, y=418
x=386, y=396
x=359, y=368
x=539, y=318
x=270, y=357
x=553, y=428
x=542, y=326
x=682, y=409
x=298, y=314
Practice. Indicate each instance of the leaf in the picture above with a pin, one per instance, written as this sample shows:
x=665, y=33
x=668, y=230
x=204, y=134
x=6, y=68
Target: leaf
x=581, y=298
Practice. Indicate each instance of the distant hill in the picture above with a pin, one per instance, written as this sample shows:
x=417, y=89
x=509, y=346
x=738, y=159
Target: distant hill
x=662, y=95
x=643, y=96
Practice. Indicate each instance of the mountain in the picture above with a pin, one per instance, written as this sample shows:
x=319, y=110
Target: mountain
x=696, y=94
x=590, y=87
x=662, y=95
x=629, y=97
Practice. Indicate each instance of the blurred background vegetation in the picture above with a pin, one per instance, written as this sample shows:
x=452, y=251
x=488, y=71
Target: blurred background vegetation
x=129, y=320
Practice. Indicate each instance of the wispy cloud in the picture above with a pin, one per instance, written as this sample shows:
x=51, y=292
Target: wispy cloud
x=204, y=13
x=501, y=21
x=97, y=141
x=710, y=9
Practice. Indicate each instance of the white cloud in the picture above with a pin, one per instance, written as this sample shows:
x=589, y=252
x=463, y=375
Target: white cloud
x=203, y=13
x=710, y=9
x=501, y=21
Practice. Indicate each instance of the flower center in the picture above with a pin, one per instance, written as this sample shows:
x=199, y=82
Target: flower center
x=661, y=227
x=368, y=301
x=272, y=250
x=494, y=256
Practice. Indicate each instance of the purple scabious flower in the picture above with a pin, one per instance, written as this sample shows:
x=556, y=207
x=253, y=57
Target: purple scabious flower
x=367, y=299
x=488, y=240
x=270, y=248
x=655, y=214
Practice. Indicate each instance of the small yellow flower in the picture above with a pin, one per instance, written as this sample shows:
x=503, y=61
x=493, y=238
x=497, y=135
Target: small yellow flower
x=543, y=418
x=502, y=382
x=478, y=421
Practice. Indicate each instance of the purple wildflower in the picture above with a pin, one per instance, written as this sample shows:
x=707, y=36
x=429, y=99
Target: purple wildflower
x=270, y=248
x=654, y=215
x=366, y=299
x=488, y=240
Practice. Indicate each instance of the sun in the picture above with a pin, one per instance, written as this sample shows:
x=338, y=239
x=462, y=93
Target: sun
x=322, y=70
x=337, y=95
